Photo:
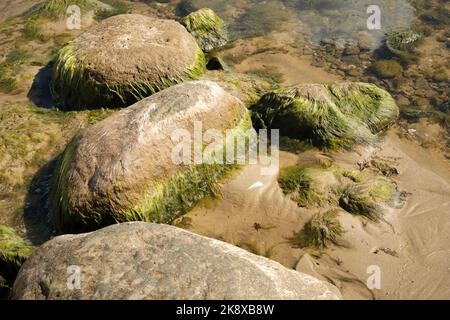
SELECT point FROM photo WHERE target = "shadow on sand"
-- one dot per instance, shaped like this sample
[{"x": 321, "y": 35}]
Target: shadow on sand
[
  {"x": 39, "y": 93},
  {"x": 39, "y": 224}
]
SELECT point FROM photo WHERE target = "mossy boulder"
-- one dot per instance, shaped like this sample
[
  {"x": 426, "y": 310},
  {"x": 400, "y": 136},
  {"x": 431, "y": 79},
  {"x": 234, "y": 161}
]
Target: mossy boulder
[
  {"x": 13, "y": 252},
  {"x": 121, "y": 169},
  {"x": 403, "y": 42},
  {"x": 208, "y": 28},
  {"x": 122, "y": 60},
  {"x": 327, "y": 116},
  {"x": 387, "y": 69}
]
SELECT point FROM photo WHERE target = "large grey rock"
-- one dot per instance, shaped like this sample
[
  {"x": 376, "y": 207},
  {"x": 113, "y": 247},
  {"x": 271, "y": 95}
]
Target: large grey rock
[
  {"x": 121, "y": 169},
  {"x": 149, "y": 261}
]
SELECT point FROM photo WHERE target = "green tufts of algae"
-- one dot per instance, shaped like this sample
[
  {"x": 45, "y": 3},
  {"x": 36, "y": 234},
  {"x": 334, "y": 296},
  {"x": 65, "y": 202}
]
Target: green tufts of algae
[
  {"x": 323, "y": 230},
  {"x": 361, "y": 193},
  {"x": 57, "y": 8},
  {"x": 208, "y": 28},
  {"x": 13, "y": 252},
  {"x": 164, "y": 202},
  {"x": 74, "y": 87},
  {"x": 330, "y": 116}
]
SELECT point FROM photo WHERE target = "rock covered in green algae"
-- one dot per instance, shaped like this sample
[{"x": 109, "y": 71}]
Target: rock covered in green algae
[
  {"x": 121, "y": 169},
  {"x": 124, "y": 59},
  {"x": 387, "y": 69},
  {"x": 208, "y": 28},
  {"x": 402, "y": 43},
  {"x": 143, "y": 261},
  {"x": 13, "y": 252},
  {"x": 328, "y": 116}
]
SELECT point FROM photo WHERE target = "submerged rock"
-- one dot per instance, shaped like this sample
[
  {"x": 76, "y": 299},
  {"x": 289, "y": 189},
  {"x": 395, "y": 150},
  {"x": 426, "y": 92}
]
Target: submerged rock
[
  {"x": 148, "y": 261},
  {"x": 121, "y": 169},
  {"x": 403, "y": 42},
  {"x": 387, "y": 69},
  {"x": 124, "y": 59},
  {"x": 328, "y": 116},
  {"x": 13, "y": 252},
  {"x": 208, "y": 28}
]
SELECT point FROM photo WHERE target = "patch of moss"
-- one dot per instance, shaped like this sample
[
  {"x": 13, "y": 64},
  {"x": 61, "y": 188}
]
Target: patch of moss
[
  {"x": 13, "y": 252},
  {"x": 327, "y": 116},
  {"x": 32, "y": 31},
  {"x": 271, "y": 75},
  {"x": 74, "y": 87},
  {"x": 116, "y": 7},
  {"x": 30, "y": 137},
  {"x": 208, "y": 28},
  {"x": 297, "y": 181},
  {"x": 363, "y": 193},
  {"x": 323, "y": 230},
  {"x": 11, "y": 67},
  {"x": 54, "y": 9},
  {"x": 355, "y": 200},
  {"x": 387, "y": 69},
  {"x": 402, "y": 43}
]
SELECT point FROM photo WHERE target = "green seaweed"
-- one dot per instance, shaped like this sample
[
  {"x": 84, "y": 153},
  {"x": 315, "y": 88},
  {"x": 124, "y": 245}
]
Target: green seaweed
[
  {"x": 298, "y": 182},
  {"x": 387, "y": 69},
  {"x": 402, "y": 43},
  {"x": 363, "y": 193},
  {"x": 208, "y": 28},
  {"x": 330, "y": 116},
  {"x": 355, "y": 200},
  {"x": 13, "y": 252},
  {"x": 74, "y": 88},
  {"x": 323, "y": 230},
  {"x": 54, "y": 9},
  {"x": 116, "y": 8}
]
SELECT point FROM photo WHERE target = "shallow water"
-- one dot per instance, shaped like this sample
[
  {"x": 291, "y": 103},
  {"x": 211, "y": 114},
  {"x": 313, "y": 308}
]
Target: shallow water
[{"x": 318, "y": 20}]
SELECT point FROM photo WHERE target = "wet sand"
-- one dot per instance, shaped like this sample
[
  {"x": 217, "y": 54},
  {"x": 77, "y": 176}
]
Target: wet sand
[{"x": 411, "y": 247}]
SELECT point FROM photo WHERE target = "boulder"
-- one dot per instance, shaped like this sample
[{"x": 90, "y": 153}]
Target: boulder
[
  {"x": 122, "y": 60},
  {"x": 387, "y": 69},
  {"x": 121, "y": 169},
  {"x": 208, "y": 28},
  {"x": 327, "y": 116},
  {"x": 143, "y": 261}
]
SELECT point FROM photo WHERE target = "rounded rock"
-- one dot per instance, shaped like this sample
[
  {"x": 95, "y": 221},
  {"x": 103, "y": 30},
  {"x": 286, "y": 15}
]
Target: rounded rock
[
  {"x": 143, "y": 261},
  {"x": 122, "y": 168},
  {"x": 122, "y": 60}
]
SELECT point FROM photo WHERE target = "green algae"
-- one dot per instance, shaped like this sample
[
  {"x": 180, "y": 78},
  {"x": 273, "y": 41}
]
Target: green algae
[
  {"x": 208, "y": 28},
  {"x": 323, "y": 230},
  {"x": 13, "y": 252},
  {"x": 74, "y": 87},
  {"x": 331, "y": 116}
]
